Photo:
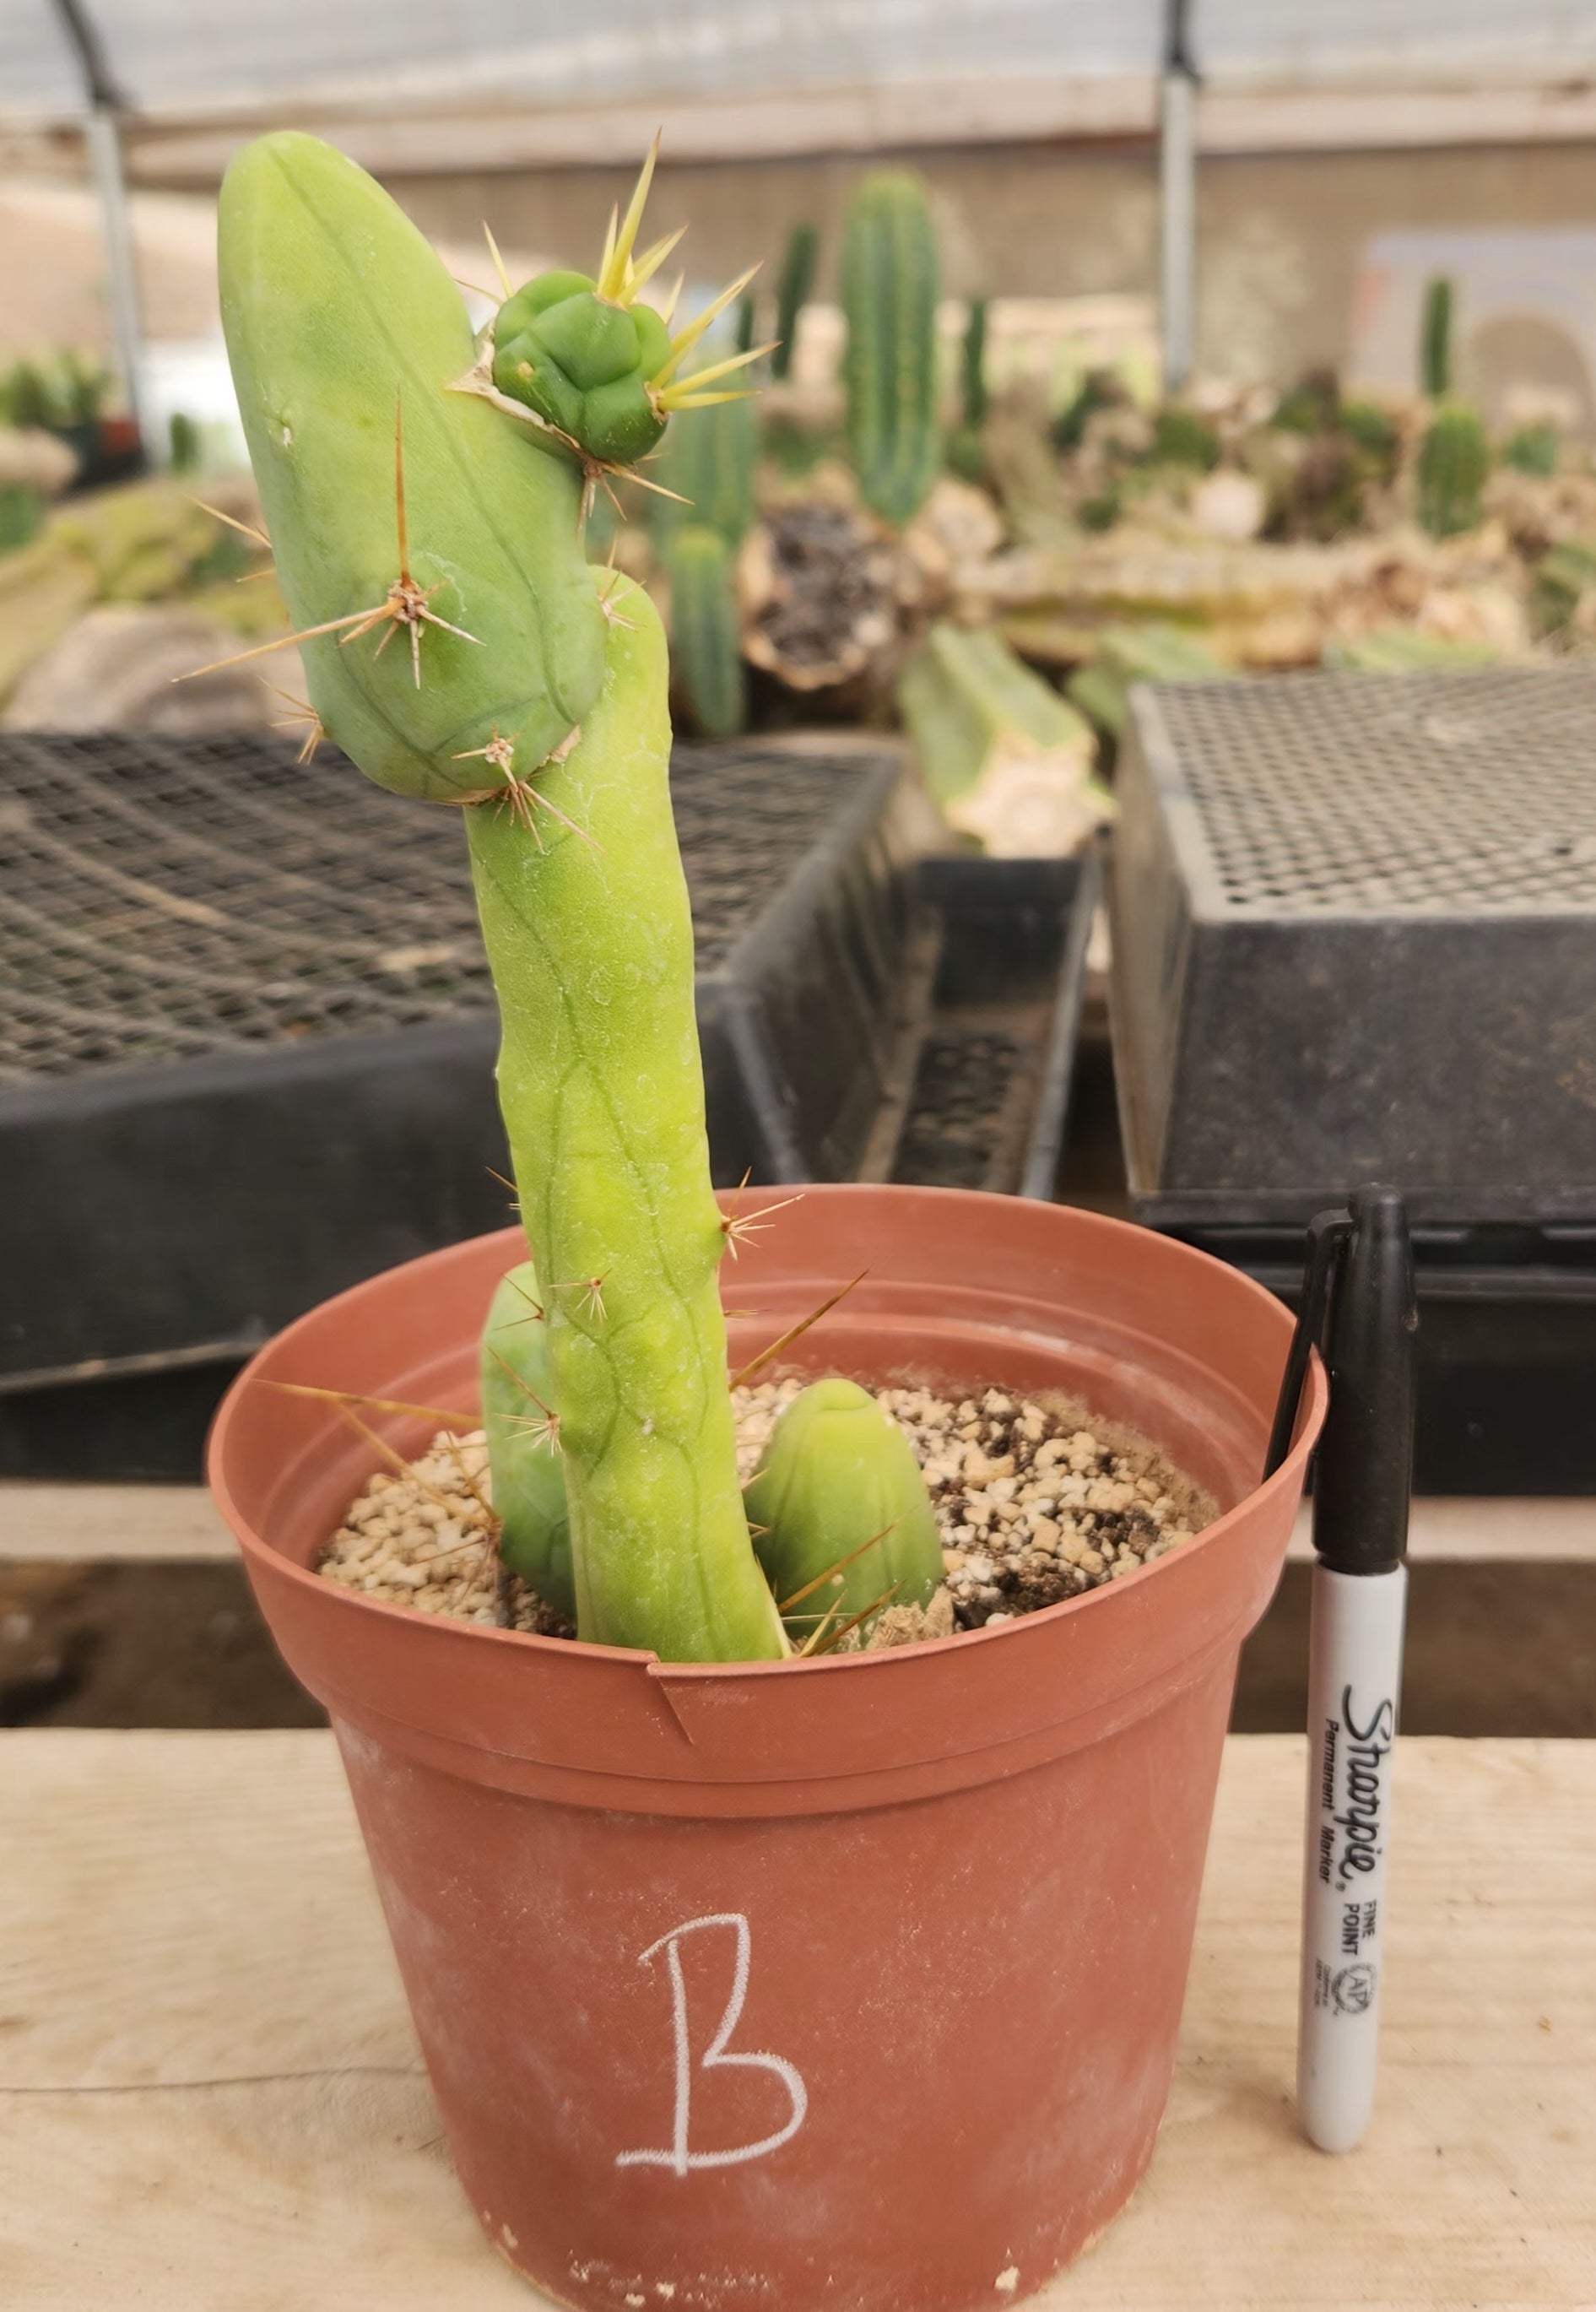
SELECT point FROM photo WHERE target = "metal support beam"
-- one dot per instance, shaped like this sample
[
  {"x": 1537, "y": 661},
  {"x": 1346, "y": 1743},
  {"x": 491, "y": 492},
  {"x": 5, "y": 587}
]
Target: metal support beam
[
  {"x": 102, "y": 140},
  {"x": 1177, "y": 210}
]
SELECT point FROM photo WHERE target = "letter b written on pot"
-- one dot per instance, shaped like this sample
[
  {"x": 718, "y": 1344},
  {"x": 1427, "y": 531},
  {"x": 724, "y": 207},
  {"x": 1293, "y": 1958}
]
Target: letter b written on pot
[{"x": 694, "y": 2070}]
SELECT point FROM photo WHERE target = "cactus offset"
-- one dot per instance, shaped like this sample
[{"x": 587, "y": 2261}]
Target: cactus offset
[
  {"x": 889, "y": 287},
  {"x": 705, "y": 642},
  {"x": 1434, "y": 342},
  {"x": 528, "y": 1478},
  {"x": 531, "y": 689},
  {"x": 1454, "y": 459},
  {"x": 847, "y": 1525},
  {"x": 792, "y": 294}
]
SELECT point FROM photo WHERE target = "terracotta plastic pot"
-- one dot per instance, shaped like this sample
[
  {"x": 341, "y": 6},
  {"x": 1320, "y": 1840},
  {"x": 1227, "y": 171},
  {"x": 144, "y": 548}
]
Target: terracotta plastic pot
[{"x": 849, "y": 1986}]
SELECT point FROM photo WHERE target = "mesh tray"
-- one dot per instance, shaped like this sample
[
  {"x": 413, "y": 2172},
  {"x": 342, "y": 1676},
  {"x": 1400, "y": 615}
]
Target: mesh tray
[
  {"x": 247, "y": 1031},
  {"x": 1354, "y": 938}
]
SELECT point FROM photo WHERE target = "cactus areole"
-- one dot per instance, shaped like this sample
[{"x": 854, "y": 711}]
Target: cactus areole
[{"x": 425, "y": 499}]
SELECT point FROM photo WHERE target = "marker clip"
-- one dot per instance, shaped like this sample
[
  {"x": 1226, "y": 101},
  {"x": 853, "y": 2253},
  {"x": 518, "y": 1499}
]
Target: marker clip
[{"x": 1329, "y": 1234}]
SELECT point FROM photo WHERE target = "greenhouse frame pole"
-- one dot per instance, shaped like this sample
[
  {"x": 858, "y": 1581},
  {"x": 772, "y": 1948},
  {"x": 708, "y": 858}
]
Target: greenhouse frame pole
[
  {"x": 1177, "y": 204},
  {"x": 103, "y": 137}
]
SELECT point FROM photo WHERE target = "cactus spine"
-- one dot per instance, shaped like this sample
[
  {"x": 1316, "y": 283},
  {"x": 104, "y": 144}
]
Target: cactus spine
[
  {"x": 793, "y": 293},
  {"x": 532, "y": 690},
  {"x": 890, "y": 288},
  {"x": 705, "y": 642},
  {"x": 1454, "y": 460},
  {"x": 1434, "y": 344}
]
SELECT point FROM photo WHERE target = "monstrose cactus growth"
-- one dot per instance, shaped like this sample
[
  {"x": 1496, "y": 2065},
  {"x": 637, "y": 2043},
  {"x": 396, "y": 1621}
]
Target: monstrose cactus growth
[{"x": 424, "y": 498}]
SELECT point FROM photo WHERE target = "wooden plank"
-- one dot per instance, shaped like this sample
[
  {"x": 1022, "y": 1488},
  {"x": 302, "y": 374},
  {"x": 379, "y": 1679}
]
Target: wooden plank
[
  {"x": 82, "y": 1523},
  {"x": 209, "y": 2092}
]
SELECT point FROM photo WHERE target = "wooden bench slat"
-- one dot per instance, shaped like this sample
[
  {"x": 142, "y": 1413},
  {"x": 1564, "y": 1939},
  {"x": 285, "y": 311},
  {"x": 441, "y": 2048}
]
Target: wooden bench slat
[{"x": 210, "y": 2093}]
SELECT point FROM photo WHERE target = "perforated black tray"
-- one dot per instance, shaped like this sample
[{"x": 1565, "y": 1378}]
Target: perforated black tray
[{"x": 247, "y": 1031}]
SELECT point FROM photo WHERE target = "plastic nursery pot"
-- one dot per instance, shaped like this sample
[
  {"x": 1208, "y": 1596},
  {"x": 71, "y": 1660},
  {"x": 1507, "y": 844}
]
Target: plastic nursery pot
[{"x": 846, "y": 1985}]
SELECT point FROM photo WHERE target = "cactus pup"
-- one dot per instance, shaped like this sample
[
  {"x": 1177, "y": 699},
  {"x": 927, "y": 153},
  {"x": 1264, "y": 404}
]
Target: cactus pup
[
  {"x": 424, "y": 495},
  {"x": 844, "y": 1524}
]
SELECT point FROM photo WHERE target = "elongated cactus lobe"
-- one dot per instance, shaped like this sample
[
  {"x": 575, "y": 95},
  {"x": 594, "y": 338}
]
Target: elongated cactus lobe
[
  {"x": 706, "y": 641},
  {"x": 342, "y": 325},
  {"x": 527, "y": 1468},
  {"x": 336, "y": 311},
  {"x": 890, "y": 288},
  {"x": 847, "y": 1521},
  {"x": 601, "y": 1081}
]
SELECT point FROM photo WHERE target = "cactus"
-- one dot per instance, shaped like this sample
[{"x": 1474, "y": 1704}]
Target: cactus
[
  {"x": 1181, "y": 438},
  {"x": 405, "y": 488},
  {"x": 1434, "y": 340},
  {"x": 847, "y": 1525},
  {"x": 1533, "y": 450},
  {"x": 529, "y": 1482},
  {"x": 705, "y": 642},
  {"x": 890, "y": 297},
  {"x": 183, "y": 442},
  {"x": 792, "y": 294},
  {"x": 966, "y": 454},
  {"x": 1453, "y": 461},
  {"x": 708, "y": 462}
]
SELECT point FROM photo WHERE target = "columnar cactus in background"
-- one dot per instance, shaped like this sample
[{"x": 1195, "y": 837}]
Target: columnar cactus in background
[
  {"x": 792, "y": 294},
  {"x": 889, "y": 290},
  {"x": 1454, "y": 460},
  {"x": 706, "y": 634},
  {"x": 424, "y": 497},
  {"x": 1435, "y": 341}
]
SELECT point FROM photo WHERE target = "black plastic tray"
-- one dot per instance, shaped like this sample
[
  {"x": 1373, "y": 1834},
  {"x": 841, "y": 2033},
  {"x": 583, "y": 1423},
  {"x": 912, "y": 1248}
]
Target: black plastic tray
[
  {"x": 1506, "y": 1348},
  {"x": 247, "y": 1041}
]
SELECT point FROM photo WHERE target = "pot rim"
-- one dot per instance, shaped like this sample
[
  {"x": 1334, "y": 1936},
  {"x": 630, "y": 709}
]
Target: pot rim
[{"x": 255, "y": 1547}]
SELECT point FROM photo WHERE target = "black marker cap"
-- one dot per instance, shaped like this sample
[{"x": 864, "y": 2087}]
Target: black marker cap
[{"x": 1364, "y": 1471}]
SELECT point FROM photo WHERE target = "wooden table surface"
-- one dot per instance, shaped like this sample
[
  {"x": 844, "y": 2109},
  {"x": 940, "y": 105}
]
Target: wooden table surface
[{"x": 210, "y": 2099}]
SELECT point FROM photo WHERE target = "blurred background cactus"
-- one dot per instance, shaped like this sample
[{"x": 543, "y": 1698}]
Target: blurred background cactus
[
  {"x": 890, "y": 284},
  {"x": 708, "y": 685},
  {"x": 795, "y": 285},
  {"x": 1453, "y": 461},
  {"x": 1434, "y": 358}
]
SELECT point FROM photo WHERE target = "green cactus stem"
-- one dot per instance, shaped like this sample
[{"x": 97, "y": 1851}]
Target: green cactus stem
[
  {"x": 848, "y": 1525},
  {"x": 793, "y": 293},
  {"x": 708, "y": 463},
  {"x": 889, "y": 287},
  {"x": 531, "y": 688},
  {"x": 706, "y": 668},
  {"x": 1454, "y": 460},
  {"x": 1435, "y": 341},
  {"x": 528, "y": 1478},
  {"x": 1533, "y": 450}
]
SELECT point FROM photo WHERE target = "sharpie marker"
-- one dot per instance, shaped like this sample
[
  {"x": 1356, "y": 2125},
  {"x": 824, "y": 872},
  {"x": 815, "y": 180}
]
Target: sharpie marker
[{"x": 1362, "y": 1486}]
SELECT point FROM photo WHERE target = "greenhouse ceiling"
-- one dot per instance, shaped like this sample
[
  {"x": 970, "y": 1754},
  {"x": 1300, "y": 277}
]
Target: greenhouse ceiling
[{"x": 494, "y": 84}]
